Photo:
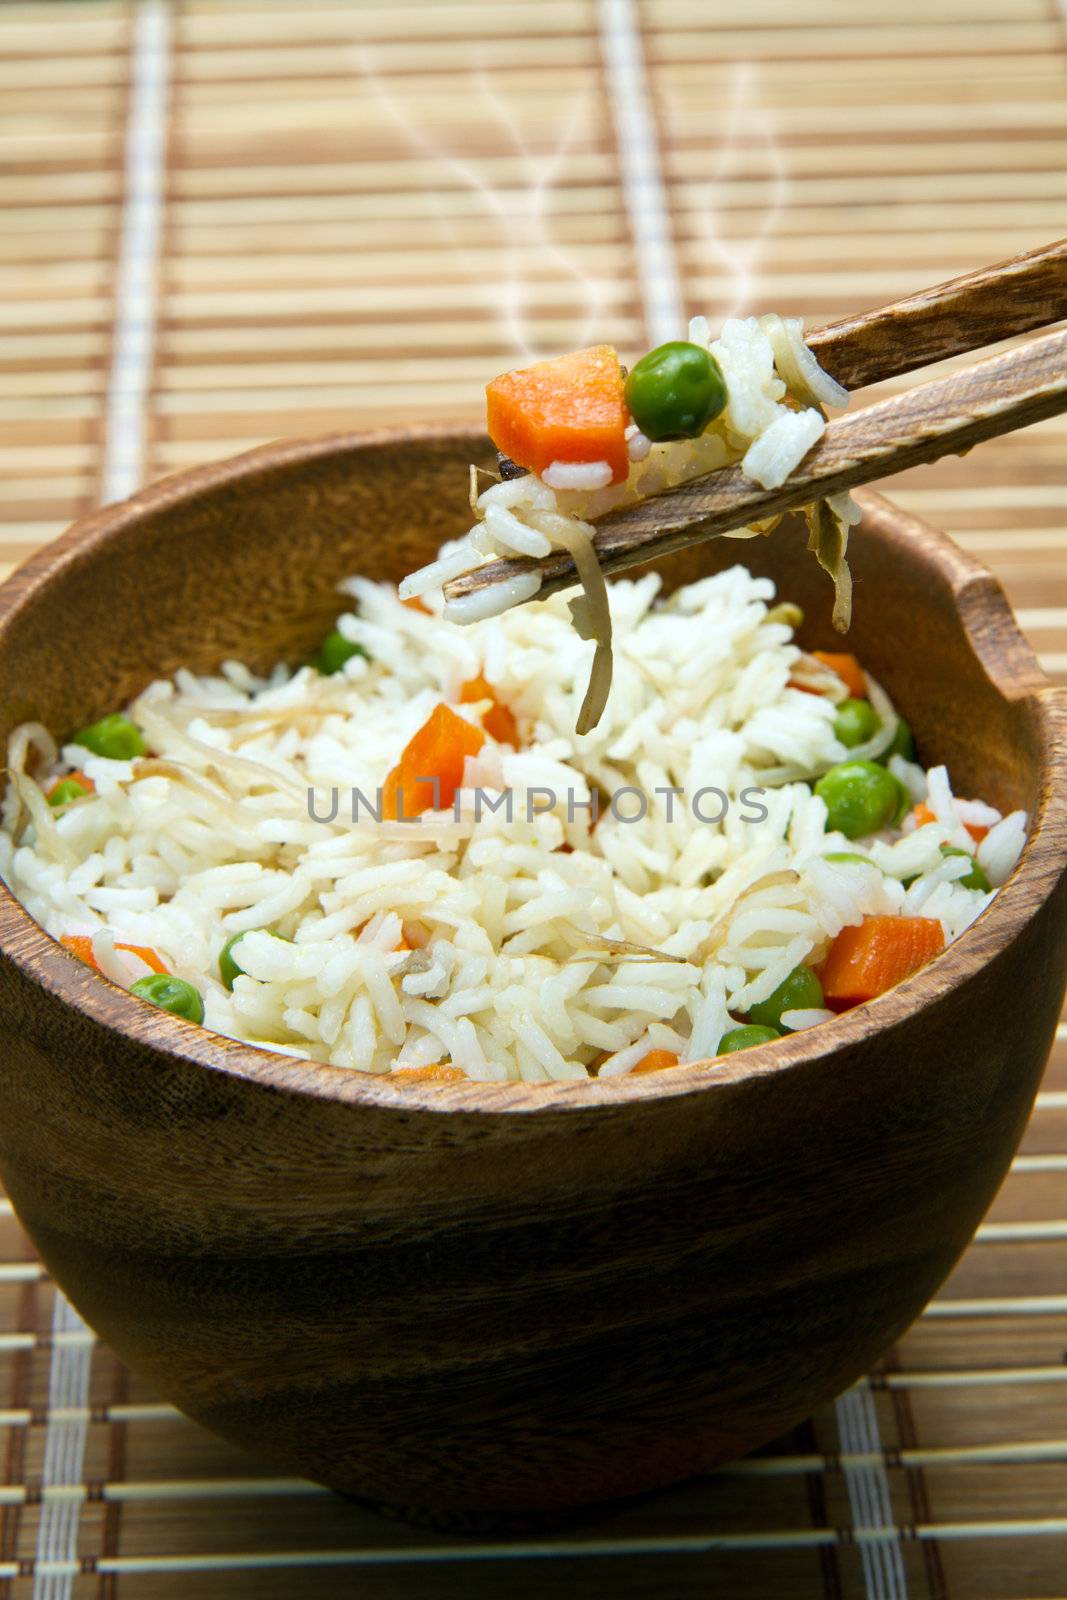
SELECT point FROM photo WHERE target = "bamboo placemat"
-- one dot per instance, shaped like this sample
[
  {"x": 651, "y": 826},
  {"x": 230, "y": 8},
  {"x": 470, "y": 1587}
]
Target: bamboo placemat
[{"x": 224, "y": 222}]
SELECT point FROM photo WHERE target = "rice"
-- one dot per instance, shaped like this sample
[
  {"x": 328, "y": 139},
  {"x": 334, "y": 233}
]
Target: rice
[
  {"x": 583, "y": 475},
  {"x": 508, "y": 935},
  {"x": 492, "y": 600},
  {"x": 781, "y": 446}
]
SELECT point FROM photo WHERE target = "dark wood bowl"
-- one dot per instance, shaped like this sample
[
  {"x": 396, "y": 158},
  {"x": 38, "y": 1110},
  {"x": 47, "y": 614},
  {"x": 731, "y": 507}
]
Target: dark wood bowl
[{"x": 500, "y": 1299}]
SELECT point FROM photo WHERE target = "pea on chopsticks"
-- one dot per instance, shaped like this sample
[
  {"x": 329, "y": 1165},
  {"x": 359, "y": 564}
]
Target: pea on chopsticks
[{"x": 675, "y": 391}]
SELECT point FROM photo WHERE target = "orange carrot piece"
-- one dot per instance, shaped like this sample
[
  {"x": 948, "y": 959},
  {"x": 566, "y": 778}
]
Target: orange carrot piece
[
  {"x": 438, "y": 752},
  {"x": 499, "y": 724},
  {"x": 437, "y": 1072},
  {"x": 80, "y": 945},
  {"x": 655, "y": 1061},
  {"x": 498, "y": 721},
  {"x": 848, "y": 670},
  {"x": 79, "y": 777},
  {"x": 148, "y": 956},
  {"x": 922, "y": 814},
  {"x": 415, "y": 604},
  {"x": 867, "y": 960},
  {"x": 569, "y": 409}
]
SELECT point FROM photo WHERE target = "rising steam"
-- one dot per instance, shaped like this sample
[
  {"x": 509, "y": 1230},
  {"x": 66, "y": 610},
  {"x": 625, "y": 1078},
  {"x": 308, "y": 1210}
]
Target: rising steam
[
  {"x": 519, "y": 216},
  {"x": 748, "y": 126}
]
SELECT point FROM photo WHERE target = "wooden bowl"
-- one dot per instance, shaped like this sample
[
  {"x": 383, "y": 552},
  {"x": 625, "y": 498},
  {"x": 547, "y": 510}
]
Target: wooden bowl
[{"x": 499, "y": 1299}]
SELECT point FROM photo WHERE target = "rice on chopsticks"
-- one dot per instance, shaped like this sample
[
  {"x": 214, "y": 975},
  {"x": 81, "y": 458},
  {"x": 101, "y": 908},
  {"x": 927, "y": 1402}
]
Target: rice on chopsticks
[{"x": 591, "y": 439}]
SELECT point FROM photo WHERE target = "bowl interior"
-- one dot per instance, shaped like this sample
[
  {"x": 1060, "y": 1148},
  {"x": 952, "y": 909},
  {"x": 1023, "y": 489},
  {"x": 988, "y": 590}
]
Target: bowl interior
[{"x": 242, "y": 559}]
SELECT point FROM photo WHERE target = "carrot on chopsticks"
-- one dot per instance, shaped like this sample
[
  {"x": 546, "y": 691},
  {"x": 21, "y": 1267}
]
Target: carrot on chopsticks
[
  {"x": 430, "y": 769},
  {"x": 881, "y": 952},
  {"x": 571, "y": 408}
]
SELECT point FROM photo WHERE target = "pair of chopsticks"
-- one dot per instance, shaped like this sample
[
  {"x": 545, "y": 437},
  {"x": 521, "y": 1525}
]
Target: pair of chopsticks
[{"x": 944, "y": 417}]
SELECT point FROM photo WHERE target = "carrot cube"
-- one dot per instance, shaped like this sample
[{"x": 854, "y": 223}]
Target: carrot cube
[
  {"x": 848, "y": 670},
  {"x": 430, "y": 769},
  {"x": 498, "y": 721},
  {"x": 881, "y": 952},
  {"x": 655, "y": 1061},
  {"x": 569, "y": 409}
]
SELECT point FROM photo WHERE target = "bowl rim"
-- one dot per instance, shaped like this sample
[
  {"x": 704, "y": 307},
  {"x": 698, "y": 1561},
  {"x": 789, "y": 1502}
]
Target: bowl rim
[{"x": 49, "y": 966}]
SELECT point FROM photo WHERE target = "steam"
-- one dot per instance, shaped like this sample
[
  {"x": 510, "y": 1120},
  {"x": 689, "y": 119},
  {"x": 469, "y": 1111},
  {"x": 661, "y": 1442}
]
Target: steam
[
  {"x": 748, "y": 126},
  {"x": 520, "y": 216}
]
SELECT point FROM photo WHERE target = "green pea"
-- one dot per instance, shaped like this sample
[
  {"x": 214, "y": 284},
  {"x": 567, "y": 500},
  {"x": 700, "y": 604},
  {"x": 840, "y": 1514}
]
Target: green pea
[
  {"x": 744, "y": 1038},
  {"x": 229, "y": 967},
  {"x": 855, "y": 722},
  {"x": 860, "y": 797},
  {"x": 801, "y": 991},
  {"x": 976, "y": 878},
  {"x": 115, "y": 737},
  {"x": 170, "y": 994},
  {"x": 333, "y": 652},
  {"x": 65, "y": 791},
  {"x": 903, "y": 743},
  {"x": 675, "y": 391},
  {"x": 848, "y": 858}
]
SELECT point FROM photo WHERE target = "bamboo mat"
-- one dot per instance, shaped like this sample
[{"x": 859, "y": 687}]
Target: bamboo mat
[{"x": 225, "y": 222}]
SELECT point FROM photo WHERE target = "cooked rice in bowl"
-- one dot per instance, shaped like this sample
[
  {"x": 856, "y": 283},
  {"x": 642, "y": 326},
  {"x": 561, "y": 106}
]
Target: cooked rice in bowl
[{"x": 538, "y": 947}]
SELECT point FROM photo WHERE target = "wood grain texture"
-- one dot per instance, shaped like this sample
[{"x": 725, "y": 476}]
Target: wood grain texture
[
  {"x": 976, "y": 309},
  {"x": 500, "y": 1300},
  {"x": 947, "y": 416}
]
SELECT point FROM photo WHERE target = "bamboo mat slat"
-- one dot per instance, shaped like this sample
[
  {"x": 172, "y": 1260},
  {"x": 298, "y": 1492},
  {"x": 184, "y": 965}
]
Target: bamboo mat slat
[{"x": 224, "y": 220}]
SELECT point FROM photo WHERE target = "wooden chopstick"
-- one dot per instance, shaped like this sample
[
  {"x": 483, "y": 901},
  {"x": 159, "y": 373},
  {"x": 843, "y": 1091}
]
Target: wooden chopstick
[
  {"x": 950, "y": 319},
  {"x": 943, "y": 417}
]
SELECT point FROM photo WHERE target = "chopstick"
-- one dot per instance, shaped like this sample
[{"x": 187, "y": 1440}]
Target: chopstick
[
  {"x": 979, "y": 308},
  {"x": 943, "y": 417}
]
